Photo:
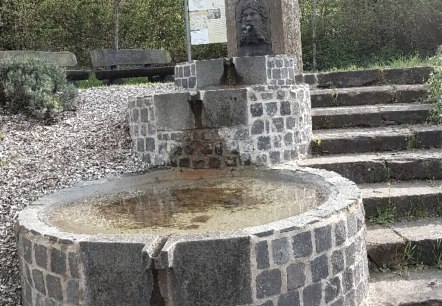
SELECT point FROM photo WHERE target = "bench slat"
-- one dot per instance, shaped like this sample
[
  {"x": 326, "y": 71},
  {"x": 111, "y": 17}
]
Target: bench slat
[
  {"x": 133, "y": 73},
  {"x": 113, "y": 57},
  {"x": 62, "y": 59}
]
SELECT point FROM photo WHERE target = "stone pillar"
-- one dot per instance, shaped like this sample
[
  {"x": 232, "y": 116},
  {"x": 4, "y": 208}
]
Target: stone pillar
[{"x": 264, "y": 27}]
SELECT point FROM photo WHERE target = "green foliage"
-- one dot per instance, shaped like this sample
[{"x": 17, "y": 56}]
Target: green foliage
[
  {"x": 384, "y": 216},
  {"x": 435, "y": 92},
  {"x": 35, "y": 87}
]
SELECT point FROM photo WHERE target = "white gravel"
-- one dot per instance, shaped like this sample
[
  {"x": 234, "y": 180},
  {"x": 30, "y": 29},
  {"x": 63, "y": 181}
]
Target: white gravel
[{"x": 38, "y": 159}]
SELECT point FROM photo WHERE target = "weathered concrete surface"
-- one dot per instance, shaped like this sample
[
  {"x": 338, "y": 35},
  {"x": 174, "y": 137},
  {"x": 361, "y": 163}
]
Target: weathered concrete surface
[
  {"x": 415, "y": 198},
  {"x": 390, "y": 138},
  {"x": 173, "y": 111},
  {"x": 415, "y": 288},
  {"x": 383, "y": 166},
  {"x": 426, "y": 236},
  {"x": 368, "y": 95},
  {"x": 399, "y": 76},
  {"x": 387, "y": 246},
  {"x": 368, "y": 115}
]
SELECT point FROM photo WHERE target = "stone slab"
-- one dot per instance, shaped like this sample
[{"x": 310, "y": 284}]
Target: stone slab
[
  {"x": 113, "y": 57},
  {"x": 368, "y": 95},
  {"x": 251, "y": 70},
  {"x": 63, "y": 59},
  {"x": 227, "y": 108},
  {"x": 209, "y": 73},
  {"x": 385, "y": 248},
  {"x": 369, "y": 116},
  {"x": 372, "y": 77},
  {"x": 112, "y": 268},
  {"x": 173, "y": 112},
  {"x": 221, "y": 260},
  {"x": 417, "y": 288},
  {"x": 416, "y": 198},
  {"x": 390, "y": 138},
  {"x": 426, "y": 236},
  {"x": 381, "y": 167}
]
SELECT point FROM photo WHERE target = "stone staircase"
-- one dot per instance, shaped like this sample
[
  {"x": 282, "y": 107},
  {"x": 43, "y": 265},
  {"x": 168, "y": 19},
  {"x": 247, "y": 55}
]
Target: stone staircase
[{"x": 371, "y": 127}]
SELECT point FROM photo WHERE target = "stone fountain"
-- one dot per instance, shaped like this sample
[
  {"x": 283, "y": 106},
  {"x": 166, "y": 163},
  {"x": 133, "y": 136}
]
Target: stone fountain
[{"x": 225, "y": 217}]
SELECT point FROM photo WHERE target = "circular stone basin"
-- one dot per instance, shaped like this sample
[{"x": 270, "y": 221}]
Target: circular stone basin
[
  {"x": 201, "y": 205},
  {"x": 247, "y": 236}
]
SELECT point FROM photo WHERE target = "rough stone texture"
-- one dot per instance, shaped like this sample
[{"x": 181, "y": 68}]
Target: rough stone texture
[
  {"x": 417, "y": 75},
  {"x": 385, "y": 247},
  {"x": 268, "y": 283},
  {"x": 112, "y": 268},
  {"x": 373, "y": 168},
  {"x": 238, "y": 126},
  {"x": 418, "y": 288},
  {"x": 390, "y": 138},
  {"x": 221, "y": 260}
]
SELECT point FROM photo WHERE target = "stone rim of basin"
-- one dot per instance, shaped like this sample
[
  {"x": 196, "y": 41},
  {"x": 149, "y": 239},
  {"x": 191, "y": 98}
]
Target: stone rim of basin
[{"x": 338, "y": 194}]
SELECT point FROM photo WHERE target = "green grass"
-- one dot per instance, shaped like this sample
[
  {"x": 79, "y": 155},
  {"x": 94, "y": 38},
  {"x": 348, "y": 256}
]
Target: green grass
[
  {"x": 94, "y": 82},
  {"x": 399, "y": 62},
  {"x": 384, "y": 216}
]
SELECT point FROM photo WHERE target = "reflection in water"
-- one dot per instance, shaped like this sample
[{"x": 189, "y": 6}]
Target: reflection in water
[{"x": 209, "y": 205}]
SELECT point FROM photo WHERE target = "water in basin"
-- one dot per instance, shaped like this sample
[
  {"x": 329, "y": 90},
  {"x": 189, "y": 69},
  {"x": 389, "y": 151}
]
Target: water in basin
[{"x": 195, "y": 206}]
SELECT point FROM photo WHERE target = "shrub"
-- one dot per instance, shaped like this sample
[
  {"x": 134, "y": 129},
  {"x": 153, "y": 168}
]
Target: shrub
[{"x": 35, "y": 87}]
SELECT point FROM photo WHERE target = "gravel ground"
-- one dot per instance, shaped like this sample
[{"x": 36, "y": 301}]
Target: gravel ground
[{"x": 38, "y": 159}]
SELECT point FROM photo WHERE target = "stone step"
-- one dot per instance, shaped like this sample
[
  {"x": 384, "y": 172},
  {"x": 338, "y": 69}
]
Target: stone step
[
  {"x": 370, "y": 77},
  {"x": 390, "y": 138},
  {"x": 382, "y": 166},
  {"x": 418, "y": 199},
  {"x": 370, "y": 116},
  {"x": 405, "y": 243},
  {"x": 368, "y": 95},
  {"x": 412, "y": 288}
]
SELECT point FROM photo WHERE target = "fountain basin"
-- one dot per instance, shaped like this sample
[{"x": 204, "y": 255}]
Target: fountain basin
[{"x": 314, "y": 253}]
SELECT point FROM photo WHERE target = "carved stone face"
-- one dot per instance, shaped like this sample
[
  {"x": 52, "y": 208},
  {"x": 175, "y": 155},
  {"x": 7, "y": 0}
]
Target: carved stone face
[{"x": 253, "y": 28}]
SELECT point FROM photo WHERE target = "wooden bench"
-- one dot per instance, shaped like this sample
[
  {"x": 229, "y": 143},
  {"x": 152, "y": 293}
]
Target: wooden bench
[
  {"x": 131, "y": 63},
  {"x": 63, "y": 59}
]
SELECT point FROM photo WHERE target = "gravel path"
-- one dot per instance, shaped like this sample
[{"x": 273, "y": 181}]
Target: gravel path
[{"x": 36, "y": 159}]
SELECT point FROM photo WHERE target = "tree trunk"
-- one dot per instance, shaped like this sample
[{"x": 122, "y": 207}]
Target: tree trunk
[{"x": 314, "y": 21}]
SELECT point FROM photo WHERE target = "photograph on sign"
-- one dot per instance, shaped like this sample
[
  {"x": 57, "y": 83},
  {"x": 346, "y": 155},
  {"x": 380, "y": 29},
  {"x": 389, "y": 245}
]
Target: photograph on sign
[{"x": 207, "y": 22}]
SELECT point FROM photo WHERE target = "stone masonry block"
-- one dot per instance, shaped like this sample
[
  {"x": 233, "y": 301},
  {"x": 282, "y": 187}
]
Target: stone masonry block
[
  {"x": 289, "y": 299},
  {"x": 319, "y": 268},
  {"x": 312, "y": 295},
  {"x": 73, "y": 265},
  {"x": 332, "y": 289},
  {"x": 256, "y": 110},
  {"x": 302, "y": 245},
  {"x": 199, "y": 269},
  {"x": 295, "y": 276},
  {"x": 337, "y": 261},
  {"x": 27, "y": 249},
  {"x": 280, "y": 250},
  {"x": 251, "y": 70},
  {"x": 268, "y": 283},
  {"x": 58, "y": 261},
  {"x": 41, "y": 255},
  {"x": 114, "y": 274},
  {"x": 262, "y": 255},
  {"x": 72, "y": 292},
  {"x": 340, "y": 233},
  {"x": 209, "y": 73},
  {"x": 224, "y": 108},
  {"x": 323, "y": 239},
  {"x": 55, "y": 290},
  {"x": 39, "y": 282},
  {"x": 173, "y": 111}
]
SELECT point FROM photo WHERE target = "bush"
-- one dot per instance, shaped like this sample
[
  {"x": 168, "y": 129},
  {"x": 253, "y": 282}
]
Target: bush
[{"x": 35, "y": 87}]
